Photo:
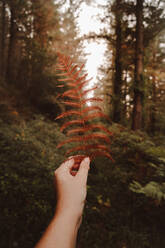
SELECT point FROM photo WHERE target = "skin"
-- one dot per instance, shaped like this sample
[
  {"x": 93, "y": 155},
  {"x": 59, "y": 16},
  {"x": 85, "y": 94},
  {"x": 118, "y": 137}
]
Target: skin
[{"x": 71, "y": 193}]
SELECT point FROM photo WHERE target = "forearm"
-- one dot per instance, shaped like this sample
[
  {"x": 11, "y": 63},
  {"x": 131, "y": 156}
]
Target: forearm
[
  {"x": 71, "y": 192},
  {"x": 61, "y": 232}
]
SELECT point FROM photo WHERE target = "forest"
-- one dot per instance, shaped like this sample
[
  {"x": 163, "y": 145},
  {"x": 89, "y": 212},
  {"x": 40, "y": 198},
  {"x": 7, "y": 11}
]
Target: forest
[{"x": 125, "y": 205}]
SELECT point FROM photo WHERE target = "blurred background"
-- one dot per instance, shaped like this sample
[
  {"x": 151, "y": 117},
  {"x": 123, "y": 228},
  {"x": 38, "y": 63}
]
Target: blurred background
[{"x": 122, "y": 44}]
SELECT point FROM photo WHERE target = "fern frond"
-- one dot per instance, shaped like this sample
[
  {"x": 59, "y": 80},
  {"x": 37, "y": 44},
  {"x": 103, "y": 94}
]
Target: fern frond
[
  {"x": 81, "y": 85},
  {"x": 73, "y": 69},
  {"x": 92, "y": 99},
  {"x": 69, "y": 92},
  {"x": 90, "y": 108},
  {"x": 76, "y": 130},
  {"x": 79, "y": 71},
  {"x": 85, "y": 138},
  {"x": 100, "y": 127},
  {"x": 95, "y": 115},
  {"x": 71, "y": 123},
  {"x": 90, "y": 139},
  {"x": 69, "y": 113},
  {"x": 72, "y": 104},
  {"x": 85, "y": 92},
  {"x": 60, "y": 86},
  {"x": 64, "y": 79}
]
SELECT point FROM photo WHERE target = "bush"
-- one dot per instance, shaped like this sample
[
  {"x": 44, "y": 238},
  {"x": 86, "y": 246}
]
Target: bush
[
  {"x": 28, "y": 159},
  {"x": 114, "y": 215}
]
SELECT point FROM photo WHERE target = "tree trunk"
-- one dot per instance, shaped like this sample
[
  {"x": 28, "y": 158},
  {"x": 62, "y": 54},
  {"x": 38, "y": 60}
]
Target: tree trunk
[
  {"x": 125, "y": 113},
  {"x": 2, "y": 60},
  {"x": 117, "y": 104},
  {"x": 153, "y": 108},
  {"x": 138, "y": 80},
  {"x": 152, "y": 124},
  {"x": 10, "y": 70}
]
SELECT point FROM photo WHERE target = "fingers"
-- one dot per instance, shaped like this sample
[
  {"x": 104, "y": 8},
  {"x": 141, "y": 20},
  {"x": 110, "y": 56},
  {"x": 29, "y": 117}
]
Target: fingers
[
  {"x": 82, "y": 173},
  {"x": 67, "y": 165},
  {"x": 76, "y": 165}
]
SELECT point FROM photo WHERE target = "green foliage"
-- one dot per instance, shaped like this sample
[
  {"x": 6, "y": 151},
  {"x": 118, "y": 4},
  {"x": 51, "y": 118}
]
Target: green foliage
[
  {"x": 28, "y": 158},
  {"x": 115, "y": 216},
  {"x": 152, "y": 189},
  {"x": 40, "y": 88}
]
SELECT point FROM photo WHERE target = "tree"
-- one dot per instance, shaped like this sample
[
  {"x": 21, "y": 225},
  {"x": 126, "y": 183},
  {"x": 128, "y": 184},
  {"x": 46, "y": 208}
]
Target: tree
[
  {"x": 113, "y": 34},
  {"x": 148, "y": 27},
  {"x": 3, "y": 30},
  {"x": 129, "y": 30},
  {"x": 156, "y": 92},
  {"x": 117, "y": 104},
  {"x": 139, "y": 79},
  {"x": 11, "y": 70}
]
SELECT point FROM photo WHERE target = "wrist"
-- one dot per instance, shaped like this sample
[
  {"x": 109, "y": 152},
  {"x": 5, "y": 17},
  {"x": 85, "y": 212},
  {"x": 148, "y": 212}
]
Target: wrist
[
  {"x": 70, "y": 209},
  {"x": 70, "y": 215}
]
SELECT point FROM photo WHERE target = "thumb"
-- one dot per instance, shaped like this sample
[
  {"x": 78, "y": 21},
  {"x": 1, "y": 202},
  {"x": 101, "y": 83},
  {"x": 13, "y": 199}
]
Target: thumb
[
  {"x": 82, "y": 173},
  {"x": 67, "y": 165}
]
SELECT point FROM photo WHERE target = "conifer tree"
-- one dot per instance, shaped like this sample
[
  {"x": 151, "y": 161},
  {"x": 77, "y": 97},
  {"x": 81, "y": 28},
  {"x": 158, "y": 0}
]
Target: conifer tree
[{"x": 139, "y": 78}]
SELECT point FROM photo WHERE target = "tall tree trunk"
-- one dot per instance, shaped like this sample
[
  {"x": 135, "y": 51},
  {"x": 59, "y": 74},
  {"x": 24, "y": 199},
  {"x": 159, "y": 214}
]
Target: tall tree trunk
[
  {"x": 117, "y": 104},
  {"x": 138, "y": 80},
  {"x": 152, "y": 124},
  {"x": 126, "y": 92},
  {"x": 2, "y": 65},
  {"x": 153, "y": 108},
  {"x": 10, "y": 70}
]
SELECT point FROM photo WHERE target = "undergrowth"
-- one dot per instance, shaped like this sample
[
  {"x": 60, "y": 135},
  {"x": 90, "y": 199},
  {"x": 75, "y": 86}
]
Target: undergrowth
[{"x": 29, "y": 156}]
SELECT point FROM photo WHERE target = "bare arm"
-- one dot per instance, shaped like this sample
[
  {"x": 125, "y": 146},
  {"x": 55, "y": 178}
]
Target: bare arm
[{"x": 71, "y": 191}]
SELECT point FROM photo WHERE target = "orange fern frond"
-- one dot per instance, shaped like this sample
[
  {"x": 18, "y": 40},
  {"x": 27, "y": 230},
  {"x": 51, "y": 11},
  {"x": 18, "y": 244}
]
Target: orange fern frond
[
  {"x": 85, "y": 138},
  {"x": 74, "y": 97},
  {"x": 100, "y": 127},
  {"x": 81, "y": 85},
  {"x": 95, "y": 115},
  {"x": 85, "y": 92},
  {"x": 60, "y": 86},
  {"x": 72, "y": 104},
  {"x": 90, "y": 108},
  {"x": 92, "y": 99},
  {"x": 71, "y": 123},
  {"x": 88, "y": 138},
  {"x": 68, "y": 92},
  {"x": 69, "y": 113},
  {"x": 76, "y": 130}
]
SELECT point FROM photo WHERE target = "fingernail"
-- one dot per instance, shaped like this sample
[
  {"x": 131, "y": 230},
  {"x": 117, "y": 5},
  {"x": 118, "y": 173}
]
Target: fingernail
[
  {"x": 71, "y": 161},
  {"x": 87, "y": 161}
]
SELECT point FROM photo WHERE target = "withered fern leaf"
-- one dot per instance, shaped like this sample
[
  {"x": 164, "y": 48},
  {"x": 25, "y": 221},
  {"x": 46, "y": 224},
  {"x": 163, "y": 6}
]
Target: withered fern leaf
[{"x": 89, "y": 139}]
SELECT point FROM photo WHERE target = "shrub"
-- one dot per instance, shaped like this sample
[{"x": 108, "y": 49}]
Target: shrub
[{"x": 28, "y": 159}]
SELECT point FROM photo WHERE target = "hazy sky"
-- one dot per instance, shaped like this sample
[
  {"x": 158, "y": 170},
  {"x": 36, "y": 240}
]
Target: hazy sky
[{"x": 88, "y": 22}]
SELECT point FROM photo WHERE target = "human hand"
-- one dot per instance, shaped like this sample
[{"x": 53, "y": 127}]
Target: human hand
[
  {"x": 70, "y": 179},
  {"x": 71, "y": 186}
]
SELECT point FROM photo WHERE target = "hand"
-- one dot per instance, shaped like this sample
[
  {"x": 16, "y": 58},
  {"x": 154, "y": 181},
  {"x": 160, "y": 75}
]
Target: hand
[
  {"x": 71, "y": 186},
  {"x": 70, "y": 179}
]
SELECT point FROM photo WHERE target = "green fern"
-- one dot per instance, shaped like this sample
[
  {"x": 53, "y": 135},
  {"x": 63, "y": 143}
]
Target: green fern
[{"x": 152, "y": 189}]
